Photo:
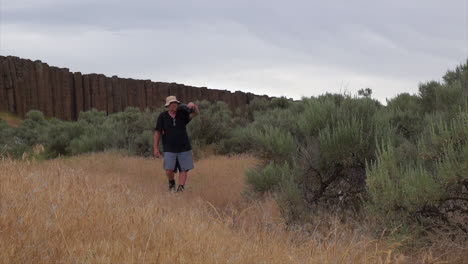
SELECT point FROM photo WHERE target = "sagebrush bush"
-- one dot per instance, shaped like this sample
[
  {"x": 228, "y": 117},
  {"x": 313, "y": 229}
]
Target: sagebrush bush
[
  {"x": 406, "y": 115},
  {"x": 446, "y": 97},
  {"x": 280, "y": 179},
  {"x": 213, "y": 126},
  {"x": 238, "y": 141},
  {"x": 335, "y": 136},
  {"x": 338, "y": 133},
  {"x": 272, "y": 134},
  {"x": 290, "y": 199},
  {"x": 273, "y": 143},
  {"x": 21, "y": 140},
  {"x": 269, "y": 177},
  {"x": 430, "y": 189},
  {"x": 59, "y": 135},
  {"x": 6, "y": 136},
  {"x": 132, "y": 130}
]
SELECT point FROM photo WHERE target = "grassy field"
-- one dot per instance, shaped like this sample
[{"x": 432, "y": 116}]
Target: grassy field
[{"x": 108, "y": 208}]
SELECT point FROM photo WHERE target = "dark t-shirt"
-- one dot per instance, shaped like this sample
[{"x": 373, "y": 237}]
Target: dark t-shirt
[{"x": 174, "y": 131}]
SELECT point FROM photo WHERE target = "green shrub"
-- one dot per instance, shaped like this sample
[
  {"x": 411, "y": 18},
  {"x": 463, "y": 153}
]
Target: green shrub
[
  {"x": 430, "y": 189},
  {"x": 6, "y": 136},
  {"x": 22, "y": 139},
  {"x": 131, "y": 130},
  {"x": 345, "y": 142},
  {"x": 93, "y": 117},
  {"x": 246, "y": 114},
  {"x": 273, "y": 143},
  {"x": 59, "y": 135},
  {"x": 339, "y": 134},
  {"x": 238, "y": 141},
  {"x": 280, "y": 179},
  {"x": 31, "y": 129},
  {"x": 446, "y": 97},
  {"x": 272, "y": 135},
  {"x": 91, "y": 139},
  {"x": 280, "y": 102},
  {"x": 406, "y": 115},
  {"x": 283, "y": 119},
  {"x": 268, "y": 178},
  {"x": 317, "y": 114},
  {"x": 143, "y": 145},
  {"x": 121, "y": 127},
  {"x": 213, "y": 125},
  {"x": 290, "y": 199},
  {"x": 256, "y": 105}
]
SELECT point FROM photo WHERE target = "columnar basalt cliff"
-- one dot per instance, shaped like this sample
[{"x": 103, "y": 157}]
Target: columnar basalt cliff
[{"x": 26, "y": 85}]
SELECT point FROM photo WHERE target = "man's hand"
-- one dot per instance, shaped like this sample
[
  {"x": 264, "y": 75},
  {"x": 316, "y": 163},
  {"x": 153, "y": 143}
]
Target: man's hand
[
  {"x": 156, "y": 153},
  {"x": 195, "y": 109},
  {"x": 156, "y": 144}
]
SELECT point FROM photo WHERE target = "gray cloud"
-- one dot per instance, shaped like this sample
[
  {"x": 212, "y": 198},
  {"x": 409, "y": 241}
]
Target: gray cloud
[{"x": 294, "y": 48}]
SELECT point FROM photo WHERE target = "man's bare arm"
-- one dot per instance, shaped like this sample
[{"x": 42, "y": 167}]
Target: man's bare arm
[
  {"x": 195, "y": 112},
  {"x": 156, "y": 143}
]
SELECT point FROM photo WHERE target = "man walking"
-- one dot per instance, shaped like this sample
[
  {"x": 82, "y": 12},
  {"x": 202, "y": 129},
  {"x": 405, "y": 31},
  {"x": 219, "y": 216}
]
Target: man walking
[{"x": 171, "y": 124}]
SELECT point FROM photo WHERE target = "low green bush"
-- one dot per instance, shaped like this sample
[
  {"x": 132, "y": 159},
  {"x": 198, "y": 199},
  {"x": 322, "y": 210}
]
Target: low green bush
[
  {"x": 213, "y": 125},
  {"x": 430, "y": 189},
  {"x": 268, "y": 178},
  {"x": 6, "y": 138}
]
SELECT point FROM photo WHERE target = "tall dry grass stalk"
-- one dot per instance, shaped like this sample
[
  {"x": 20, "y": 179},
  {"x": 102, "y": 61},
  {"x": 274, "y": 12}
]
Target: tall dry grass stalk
[{"x": 107, "y": 208}]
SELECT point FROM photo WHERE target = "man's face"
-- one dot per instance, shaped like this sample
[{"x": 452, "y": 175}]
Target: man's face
[{"x": 172, "y": 107}]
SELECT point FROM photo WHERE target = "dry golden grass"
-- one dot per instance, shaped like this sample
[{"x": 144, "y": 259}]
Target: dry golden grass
[{"x": 108, "y": 208}]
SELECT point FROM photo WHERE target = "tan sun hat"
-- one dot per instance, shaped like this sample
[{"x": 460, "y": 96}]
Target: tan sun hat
[{"x": 171, "y": 99}]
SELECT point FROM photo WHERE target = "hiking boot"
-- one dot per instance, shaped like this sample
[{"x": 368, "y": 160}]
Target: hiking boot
[
  {"x": 171, "y": 186},
  {"x": 172, "y": 189},
  {"x": 180, "y": 188}
]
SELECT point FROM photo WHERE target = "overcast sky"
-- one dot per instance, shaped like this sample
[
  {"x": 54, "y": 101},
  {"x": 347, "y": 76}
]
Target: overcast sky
[{"x": 280, "y": 48}]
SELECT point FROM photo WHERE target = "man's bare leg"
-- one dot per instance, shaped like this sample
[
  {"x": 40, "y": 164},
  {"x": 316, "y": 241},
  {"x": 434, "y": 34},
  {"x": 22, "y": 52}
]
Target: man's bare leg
[
  {"x": 170, "y": 174},
  {"x": 170, "y": 177},
  {"x": 183, "y": 177}
]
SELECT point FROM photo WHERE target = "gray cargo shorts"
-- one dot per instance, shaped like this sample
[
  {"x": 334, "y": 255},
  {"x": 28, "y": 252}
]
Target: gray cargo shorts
[{"x": 181, "y": 161}]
